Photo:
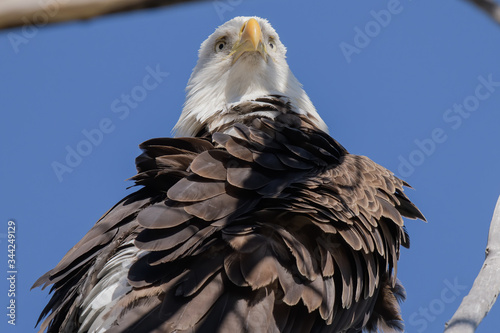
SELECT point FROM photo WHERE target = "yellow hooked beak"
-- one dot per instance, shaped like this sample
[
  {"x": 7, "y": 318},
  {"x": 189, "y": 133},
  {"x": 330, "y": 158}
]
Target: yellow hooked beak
[{"x": 250, "y": 41}]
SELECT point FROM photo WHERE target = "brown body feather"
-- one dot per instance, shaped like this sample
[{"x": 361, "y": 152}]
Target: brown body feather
[{"x": 263, "y": 226}]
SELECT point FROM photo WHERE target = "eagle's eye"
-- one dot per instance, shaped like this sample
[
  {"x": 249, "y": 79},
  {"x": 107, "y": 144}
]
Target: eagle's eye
[
  {"x": 272, "y": 43},
  {"x": 220, "y": 45}
]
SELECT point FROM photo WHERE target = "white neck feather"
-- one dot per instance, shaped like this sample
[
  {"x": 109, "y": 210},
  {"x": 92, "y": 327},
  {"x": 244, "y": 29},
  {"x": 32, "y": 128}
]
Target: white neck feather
[{"x": 210, "y": 95}]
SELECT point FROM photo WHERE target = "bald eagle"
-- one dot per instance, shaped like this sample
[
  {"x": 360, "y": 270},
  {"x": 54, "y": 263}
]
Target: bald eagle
[{"x": 253, "y": 219}]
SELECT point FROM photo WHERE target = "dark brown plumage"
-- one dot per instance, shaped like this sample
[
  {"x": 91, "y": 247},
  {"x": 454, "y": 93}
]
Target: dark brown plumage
[{"x": 272, "y": 228}]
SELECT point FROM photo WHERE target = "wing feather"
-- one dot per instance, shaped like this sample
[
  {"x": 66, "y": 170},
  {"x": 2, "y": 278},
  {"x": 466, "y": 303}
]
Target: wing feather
[{"x": 268, "y": 225}]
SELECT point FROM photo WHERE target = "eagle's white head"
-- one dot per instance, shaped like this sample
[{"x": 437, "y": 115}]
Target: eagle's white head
[{"x": 242, "y": 60}]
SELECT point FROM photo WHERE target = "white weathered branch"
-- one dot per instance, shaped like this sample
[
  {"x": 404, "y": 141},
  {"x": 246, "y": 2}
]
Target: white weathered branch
[
  {"x": 490, "y": 7},
  {"x": 483, "y": 294},
  {"x": 16, "y": 13}
]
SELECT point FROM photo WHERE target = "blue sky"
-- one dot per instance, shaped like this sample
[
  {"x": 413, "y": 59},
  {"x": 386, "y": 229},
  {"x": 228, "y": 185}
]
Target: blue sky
[{"x": 412, "y": 85}]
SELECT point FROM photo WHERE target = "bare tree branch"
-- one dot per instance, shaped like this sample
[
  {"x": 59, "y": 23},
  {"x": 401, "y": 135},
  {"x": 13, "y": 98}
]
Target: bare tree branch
[
  {"x": 16, "y": 13},
  {"x": 490, "y": 7},
  {"x": 483, "y": 294}
]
